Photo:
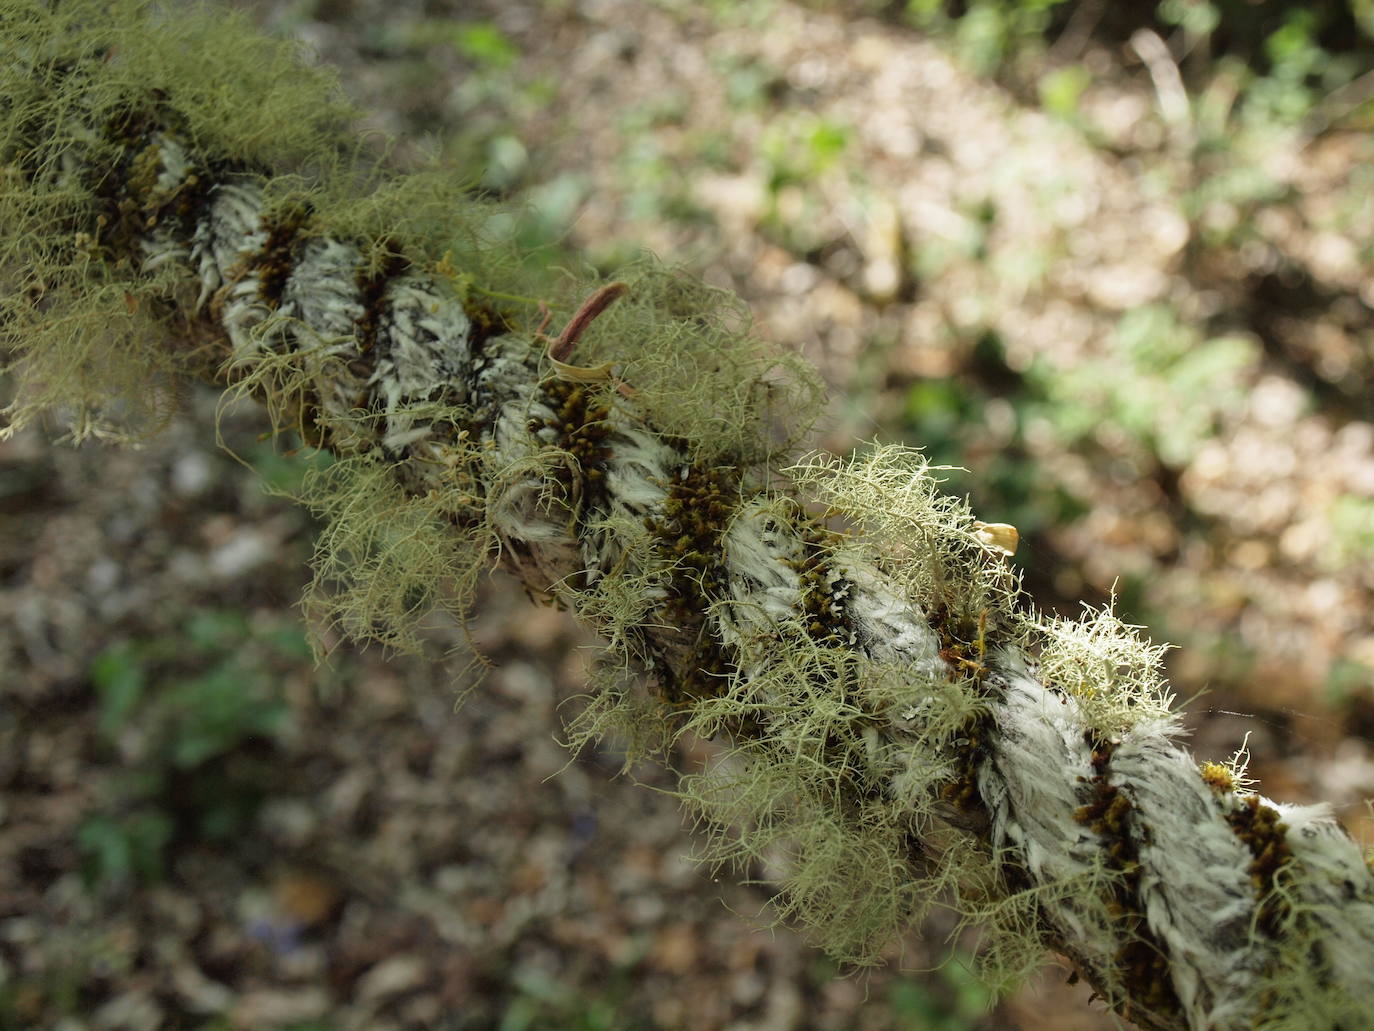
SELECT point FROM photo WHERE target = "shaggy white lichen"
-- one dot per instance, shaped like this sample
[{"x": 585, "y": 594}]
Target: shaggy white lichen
[{"x": 1115, "y": 675}]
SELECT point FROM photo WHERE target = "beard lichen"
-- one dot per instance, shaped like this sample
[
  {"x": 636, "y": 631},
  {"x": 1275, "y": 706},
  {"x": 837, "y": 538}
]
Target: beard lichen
[
  {"x": 79, "y": 319},
  {"x": 1113, "y": 673},
  {"x": 699, "y": 374},
  {"x": 805, "y": 787},
  {"x": 832, "y": 761},
  {"x": 386, "y": 558}
]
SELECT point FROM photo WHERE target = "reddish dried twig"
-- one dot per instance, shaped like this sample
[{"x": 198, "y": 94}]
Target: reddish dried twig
[{"x": 561, "y": 348}]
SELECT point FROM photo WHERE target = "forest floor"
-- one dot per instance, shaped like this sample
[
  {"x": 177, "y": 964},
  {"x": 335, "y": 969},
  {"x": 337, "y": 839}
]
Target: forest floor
[{"x": 1146, "y": 336}]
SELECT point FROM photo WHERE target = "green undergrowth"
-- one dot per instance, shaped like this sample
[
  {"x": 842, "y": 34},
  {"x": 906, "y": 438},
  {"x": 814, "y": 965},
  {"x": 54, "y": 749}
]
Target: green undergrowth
[{"x": 183, "y": 721}]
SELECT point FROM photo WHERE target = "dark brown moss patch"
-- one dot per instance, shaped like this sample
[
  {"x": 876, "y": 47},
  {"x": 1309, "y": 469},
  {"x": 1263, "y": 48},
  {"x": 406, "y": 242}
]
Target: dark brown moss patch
[
  {"x": 963, "y": 648},
  {"x": 372, "y": 284},
  {"x": 688, "y": 535},
  {"x": 1142, "y": 964},
  {"x": 132, "y": 203},
  {"x": 579, "y": 420},
  {"x": 1266, "y": 836},
  {"x": 276, "y": 259},
  {"x": 962, "y": 791},
  {"x": 487, "y": 322},
  {"x": 963, "y": 643},
  {"x": 824, "y": 594}
]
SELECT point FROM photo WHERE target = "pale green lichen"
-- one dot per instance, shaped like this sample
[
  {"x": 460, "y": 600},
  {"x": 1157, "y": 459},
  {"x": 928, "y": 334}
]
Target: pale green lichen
[
  {"x": 81, "y": 330},
  {"x": 386, "y": 558},
  {"x": 286, "y": 382},
  {"x": 617, "y": 708},
  {"x": 924, "y": 539},
  {"x": 698, "y": 373},
  {"x": 621, "y": 600},
  {"x": 1296, "y": 991},
  {"x": 1114, "y": 673},
  {"x": 833, "y": 763},
  {"x": 1009, "y": 923},
  {"x": 432, "y": 221},
  {"x": 807, "y": 784}
]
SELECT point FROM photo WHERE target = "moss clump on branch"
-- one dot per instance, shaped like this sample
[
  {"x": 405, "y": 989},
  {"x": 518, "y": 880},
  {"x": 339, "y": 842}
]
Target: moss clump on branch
[
  {"x": 1264, "y": 833},
  {"x": 1142, "y": 962}
]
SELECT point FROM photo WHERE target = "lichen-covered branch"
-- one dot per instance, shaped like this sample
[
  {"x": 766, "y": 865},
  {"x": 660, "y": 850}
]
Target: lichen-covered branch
[{"x": 902, "y": 728}]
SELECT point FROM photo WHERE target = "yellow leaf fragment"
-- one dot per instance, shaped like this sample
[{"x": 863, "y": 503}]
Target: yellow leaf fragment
[{"x": 999, "y": 537}]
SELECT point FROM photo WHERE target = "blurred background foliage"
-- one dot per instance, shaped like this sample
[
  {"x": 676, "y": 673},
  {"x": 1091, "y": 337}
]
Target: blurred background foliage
[{"x": 1110, "y": 263}]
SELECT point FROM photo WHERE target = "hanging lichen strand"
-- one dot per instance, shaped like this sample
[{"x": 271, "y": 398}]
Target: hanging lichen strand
[{"x": 901, "y": 728}]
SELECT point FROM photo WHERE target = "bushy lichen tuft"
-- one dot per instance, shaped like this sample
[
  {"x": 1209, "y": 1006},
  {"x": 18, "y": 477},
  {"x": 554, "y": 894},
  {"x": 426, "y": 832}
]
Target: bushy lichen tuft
[
  {"x": 385, "y": 557},
  {"x": 78, "y": 319},
  {"x": 617, "y": 707},
  {"x": 924, "y": 539},
  {"x": 1113, "y": 672},
  {"x": 427, "y": 220},
  {"x": 698, "y": 373},
  {"x": 1008, "y": 922},
  {"x": 807, "y": 785}
]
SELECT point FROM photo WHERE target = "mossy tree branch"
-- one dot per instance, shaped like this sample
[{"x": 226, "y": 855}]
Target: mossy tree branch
[{"x": 901, "y": 725}]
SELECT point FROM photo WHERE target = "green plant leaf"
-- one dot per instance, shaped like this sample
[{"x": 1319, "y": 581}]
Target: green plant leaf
[
  {"x": 119, "y": 680},
  {"x": 484, "y": 43}
]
